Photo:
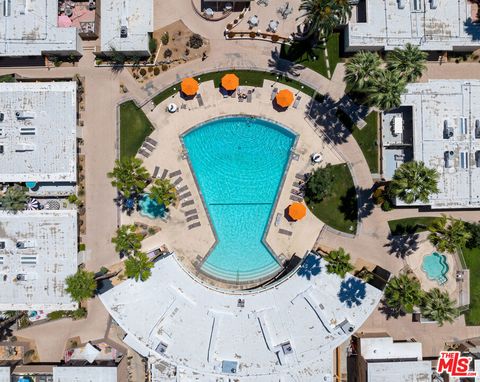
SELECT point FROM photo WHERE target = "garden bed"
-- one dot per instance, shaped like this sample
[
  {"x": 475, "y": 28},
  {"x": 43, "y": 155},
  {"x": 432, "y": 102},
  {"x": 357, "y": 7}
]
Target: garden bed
[
  {"x": 472, "y": 258},
  {"x": 411, "y": 225},
  {"x": 134, "y": 128}
]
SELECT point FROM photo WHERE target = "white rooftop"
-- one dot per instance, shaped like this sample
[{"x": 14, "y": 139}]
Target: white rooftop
[
  {"x": 412, "y": 371},
  {"x": 84, "y": 374},
  {"x": 5, "y": 374},
  {"x": 30, "y": 28},
  {"x": 40, "y": 251},
  {"x": 431, "y": 24},
  {"x": 38, "y": 132},
  {"x": 383, "y": 348},
  {"x": 135, "y": 15},
  {"x": 442, "y": 109},
  {"x": 287, "y": 330}
]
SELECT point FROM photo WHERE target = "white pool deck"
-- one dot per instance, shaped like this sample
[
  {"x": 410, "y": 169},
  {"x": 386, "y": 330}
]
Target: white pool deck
[
  {"x": 192, "y": 245},
  {"x": 200, "y": 327}
]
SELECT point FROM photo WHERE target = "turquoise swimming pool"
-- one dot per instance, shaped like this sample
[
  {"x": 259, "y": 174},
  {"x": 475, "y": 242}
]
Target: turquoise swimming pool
[
  {"x": 435, "y": 266},
  {"x": 239, "y": 164},
  {"x": 150, "y": 208}
]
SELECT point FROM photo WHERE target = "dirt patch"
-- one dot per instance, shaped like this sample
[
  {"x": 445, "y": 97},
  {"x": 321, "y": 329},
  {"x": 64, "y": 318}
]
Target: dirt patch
[{"x": 174, "y": 47}]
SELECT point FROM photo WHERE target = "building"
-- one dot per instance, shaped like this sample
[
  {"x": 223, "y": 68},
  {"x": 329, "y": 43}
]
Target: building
[
  {"x": 5, "y": 374},
  {"x": 38, "y": 250},
  {"x": 433, "y": 25},
  {"x": 126, "y": 25},
  {"x": 378, "y": 358},
  {"x": 30, "y": 28},
  {"x": 285, "y": 331},
  {"x": 38, "y": 130},
  {"x": 439, "y": 124},
  {"x": 84, "y": 374}
]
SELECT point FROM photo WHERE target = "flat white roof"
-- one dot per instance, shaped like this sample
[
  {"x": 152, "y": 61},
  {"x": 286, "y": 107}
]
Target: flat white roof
[
  {"x": 29, "y": 28},
  {"x": 383, "y": 348},
  {"x": 135, "y": 15},
  {"x": 5, "y": 374},
  {"x": 40, "y": 251},
  {"x": 440, "y": 107},
  {"x": 84, "y": 374},
  {"x": 38, "y": 131},
  {"x": 287, "y": 330},
  {"x": 413, "y": 371},
  {"x": 447, "y": 26}
]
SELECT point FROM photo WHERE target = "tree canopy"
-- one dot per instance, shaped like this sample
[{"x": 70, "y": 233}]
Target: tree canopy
[
  {"x": 129, "y": 176},
  {"x": 448, "y": 234},
  {"x": 138, "y": 266},
  {"x": 409, "y": 62},
  {"x": 321, "y": 17},
  {"x": 127, "y": 240},
  {"x": 402, "y": 293},
  {"x": 438, "y": 306},
  {"x": 339, "y": 262},
  {"x": 163, "y": 191},
  {"x": 319, "y": 185},
  {"x": 81, "y": 285},
  {"x": 14, "y": 199}
]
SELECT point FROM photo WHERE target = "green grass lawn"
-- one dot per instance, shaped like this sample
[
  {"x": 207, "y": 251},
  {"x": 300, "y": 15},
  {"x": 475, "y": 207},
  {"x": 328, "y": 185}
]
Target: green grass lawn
[
  {"x": 411, "y": 225},
  {"x": 247, "y": 77},
  {"x": 134, "y": 127},
  {"x": 314, "y": 58},
  {"x": 472, "y": 258},
  {"x": 367, "y": 139},
  {"x": 7, "y": 78},
  {"x": 339, "y": 210}
]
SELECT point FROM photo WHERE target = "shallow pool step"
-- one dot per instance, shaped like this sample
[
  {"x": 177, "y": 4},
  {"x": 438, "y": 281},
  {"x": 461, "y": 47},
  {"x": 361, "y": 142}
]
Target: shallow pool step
[{"x": 240, "y": 276}]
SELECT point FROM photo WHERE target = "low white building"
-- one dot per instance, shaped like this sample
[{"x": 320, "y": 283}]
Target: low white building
[
  {"x": 30, "y": 28},
  {"x": 38, "y": 132},
  {"x": 380, "y": 359},
  {"x": 433, "y": 25},
  {"x": 38, "y": 250},
  {"x": 5, "y": 374},
  {"x": 84, "y": 374},
  {"x": 439, "y": 125},
  {"x": 126, "y": 25}
]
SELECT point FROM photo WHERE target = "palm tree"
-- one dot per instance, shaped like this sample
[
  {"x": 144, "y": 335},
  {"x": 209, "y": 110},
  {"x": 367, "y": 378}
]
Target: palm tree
[
  {"x": 127, "y": 240},
  {"x": 129, "y": 176},
  {"x": 414, "y": 181},
  {"x": 81, "y": 285},
  {"x": 448, "y": 234},
  {"x": 323, "y": 16},
  {"x": 163, "y": 192},
  {"x": 361, "y": 69},
  {"x": 338, "y": 262},
  {"x": 385, "y": 90},
  {"x": 138, "y": 266},
  {"x": 409, "y": 62},
  {"x": 14, "y": 199},
  {"x": 438, "y": 306},
  {"x": 402, "y": 293}
]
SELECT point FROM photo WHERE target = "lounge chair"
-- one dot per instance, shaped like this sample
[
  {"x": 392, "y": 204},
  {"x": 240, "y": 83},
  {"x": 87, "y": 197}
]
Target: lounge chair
[
  {"x": 164, "y": 174},
  {"x": 187, "y": 203},
  {"x": 143, "y": 152},
  {"x": 151, "y": 141},
  {"x": 297, "y": 101},
  {"x": 182, "y": 189},
  {"x": 175, "y": 173},
  {"x": 194, "y": 225},
  {"x": 249, "y": 96},
  {"x": 278, "y": 218},
  {"x": 285, "y": 232},
  {"x": 155, "y": 172},
  {"x": 148, "y": 147},
  {"x": 177, "y": 181},
  {"x": 200, "y": 100},
  {"x": 185, "y": 195},
  {"x": 296, "y": 198},
  {"x": 190, "y": 212},
  {"x": 274, "y": 93},
  {"x": 300, "y": 176},
  {"x": 191, "y": 218}
]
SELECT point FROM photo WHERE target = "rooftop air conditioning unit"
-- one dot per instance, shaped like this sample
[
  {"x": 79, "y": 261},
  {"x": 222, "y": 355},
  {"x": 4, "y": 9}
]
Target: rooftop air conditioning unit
[
  {"x": 477, "y": 129},
  {"x": 447, "y": 130},
  {"x": 287, "y": 348},
  {"x": 347, "y": 327},
  {"x": 448, "y": 155},
  {"x": 21, "y": 277},
  {"x": 123, "y": 32},
  {"x": 161, "y": 348},
  {"x": 477, "y": 158}
]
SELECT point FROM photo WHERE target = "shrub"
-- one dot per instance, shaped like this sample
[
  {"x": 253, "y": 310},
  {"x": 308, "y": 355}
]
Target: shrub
[
  {"x": 196, "y": 41},
  {"x": 474, "y": 229},
  {"x": 82, "y": 247},
  {"x": 103, "y": 270},
  {"x": 379, "y": 196},
  {"x": 56, "y": 315},
  {"x": 156, "y": 71},
  {"x": 187, "y": 52},
  {"x": 72, "y": 198},
  {"x": 229, "y": 26},
  {"x": 168, "y": 53},
  {"x": 252, "y": 34},
  {"x": 231, "y": 35},
  {"x": 150, "y": 69},
  {"x": 143, "y": 72},
  {"x": 165, "y": 38},
  {"x": 387, "y": 206},
  {"x": 320, "y": 184},
  {"x": 152, "y": 45},
  {"x": 164, "y": 67},
  {"x": 240, "y": 16},
  {"x": 275, "y": 38},
  {"x": 79, "y": 313}
]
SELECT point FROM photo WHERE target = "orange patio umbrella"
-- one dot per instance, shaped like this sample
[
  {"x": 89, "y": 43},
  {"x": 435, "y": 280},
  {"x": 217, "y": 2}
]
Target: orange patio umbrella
[
  {"x": 230, "y": 82},
  {"x": 284, "y": 98},
  {"x": 297, "y": 211},
  {"x": 189, "y": 86}
]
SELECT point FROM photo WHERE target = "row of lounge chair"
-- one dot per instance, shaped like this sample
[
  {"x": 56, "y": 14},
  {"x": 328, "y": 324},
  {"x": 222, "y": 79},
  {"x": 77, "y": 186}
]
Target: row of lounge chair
[
  {"x": 147, "y": 147},
  {"x": 185, "y": 198},
  {"x": 296, "y": 193}
]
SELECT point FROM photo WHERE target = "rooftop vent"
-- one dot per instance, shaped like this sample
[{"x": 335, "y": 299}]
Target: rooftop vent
[
  {"x": 448, "y": 156},
  {"x": 25, "y": 244},
  {"x": 28, "y": 260},
  {"x": 287, "y": 348},
  {"x": 401, "y": 4},
  {"x": 477, "y": 129},
  {"x": 347, "y": 327},
  {"x": 2, "y": 117},
  {"x": 27, "y": 130},
  {"x": 20, "y": 114},
  {"x": 447, "y": 130},
  {"x": 161, "y": 348},
  {"x": 123, "y": 32},
  {"x": 7, "y": 8},
  {"x": 477, "y": 158},
  {"x": 1, "y": 259},
  {"x": 433, "y": 4},
  {"x": 464, "y": 159},
  {"x": 463, "y": 125},
  {"x": 229, "y": 367},
  {"x": 21, "y": 277},
  {"x": 2, "y": 245}
]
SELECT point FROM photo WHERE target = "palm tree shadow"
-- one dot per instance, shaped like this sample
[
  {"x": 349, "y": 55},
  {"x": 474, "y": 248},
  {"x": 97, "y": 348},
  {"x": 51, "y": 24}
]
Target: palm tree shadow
[
  {"x": 283, "y": 65},
  {"x": 403, "y": 245},
  {"x": 310, "y": 267},
  {"x": 472, "y": 29},
  {"x": 352, "y": 292},
  {"x": 390, "y": 312}
]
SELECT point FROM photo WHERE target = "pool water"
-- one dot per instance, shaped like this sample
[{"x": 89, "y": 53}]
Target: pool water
[
  {"x": 435, "y": 266},
  {"x": 150, "y": 208},
  {"x": 239, "y": 163}
]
